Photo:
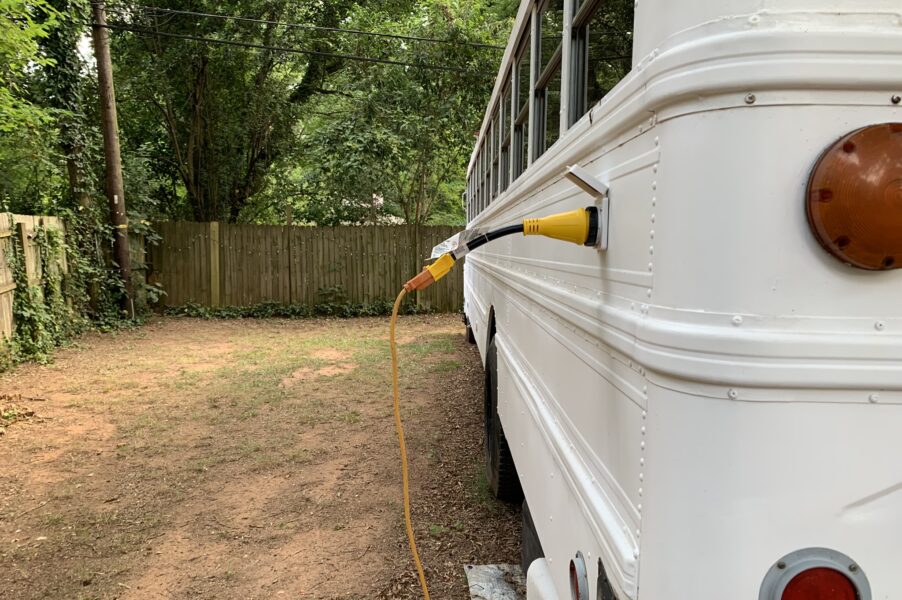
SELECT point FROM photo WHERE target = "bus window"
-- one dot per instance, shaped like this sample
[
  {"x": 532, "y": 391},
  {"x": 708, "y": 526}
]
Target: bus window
[
  {"x": 521, "y": 122},
  {"x": 602, "y": 49},
  {"x": 478, "y": 171},
  {"x": 548, "y": 81},
  {"x": 496, "y": 145},
  {"x": 484, "y": 154},
  {"x": 551, "y": 31},
  {"x": 505, "y": 139},
  {"x": 469, "y": 200}
]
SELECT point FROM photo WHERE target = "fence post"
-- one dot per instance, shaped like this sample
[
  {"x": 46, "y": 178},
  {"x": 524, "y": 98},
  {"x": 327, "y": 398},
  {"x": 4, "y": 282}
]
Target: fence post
[
  {"x": 214, "y": 264},
  {"x": 27, "y": 250}
]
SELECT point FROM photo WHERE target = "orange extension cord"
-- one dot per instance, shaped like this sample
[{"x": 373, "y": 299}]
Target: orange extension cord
[{"x": 399, "y": 427}]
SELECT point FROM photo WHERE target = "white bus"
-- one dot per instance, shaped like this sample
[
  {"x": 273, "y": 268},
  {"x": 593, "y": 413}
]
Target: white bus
[{"x": 709, "y": 408}]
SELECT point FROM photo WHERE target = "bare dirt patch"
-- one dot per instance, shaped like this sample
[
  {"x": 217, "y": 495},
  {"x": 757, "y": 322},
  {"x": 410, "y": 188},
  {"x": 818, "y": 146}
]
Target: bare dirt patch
[{"x": 246, "y": 459}]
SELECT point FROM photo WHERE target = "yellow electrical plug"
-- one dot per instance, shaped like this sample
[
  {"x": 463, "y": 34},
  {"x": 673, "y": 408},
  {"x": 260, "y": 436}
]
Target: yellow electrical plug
[
  {"x": 574, "y": 226},
  {"x": 431, "y": 273}
]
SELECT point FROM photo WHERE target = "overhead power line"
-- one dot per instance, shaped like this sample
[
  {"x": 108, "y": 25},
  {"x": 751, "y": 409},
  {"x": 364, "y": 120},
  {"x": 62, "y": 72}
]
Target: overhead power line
[
  {"x": 192, "y": 13},
  {"x": 384, "y": 61}
]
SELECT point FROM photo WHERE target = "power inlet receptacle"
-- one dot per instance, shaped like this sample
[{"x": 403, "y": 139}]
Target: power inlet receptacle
[{"x": 599, "y": 191}]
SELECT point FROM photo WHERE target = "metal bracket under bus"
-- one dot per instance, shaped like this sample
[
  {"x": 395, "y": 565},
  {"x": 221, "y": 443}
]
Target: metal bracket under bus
[{"x": 598, "y": 190}]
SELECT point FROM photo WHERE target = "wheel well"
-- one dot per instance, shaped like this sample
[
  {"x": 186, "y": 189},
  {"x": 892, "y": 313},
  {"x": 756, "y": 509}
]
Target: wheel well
[{"x": 490, "y": 330}]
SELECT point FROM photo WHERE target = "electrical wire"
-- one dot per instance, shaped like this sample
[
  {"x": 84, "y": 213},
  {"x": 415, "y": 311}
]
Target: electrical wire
[
  {"x": 192, "y": 13},
  {"x": 494, "y": 235},
  {"x": 385, "y": 61},
  {"x": 399, "y": 427}
]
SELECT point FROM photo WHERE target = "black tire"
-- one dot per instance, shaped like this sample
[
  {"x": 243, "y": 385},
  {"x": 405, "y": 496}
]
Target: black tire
[
  {"x": 530, "y": 546},
  {"x": 499, "y": 464}
]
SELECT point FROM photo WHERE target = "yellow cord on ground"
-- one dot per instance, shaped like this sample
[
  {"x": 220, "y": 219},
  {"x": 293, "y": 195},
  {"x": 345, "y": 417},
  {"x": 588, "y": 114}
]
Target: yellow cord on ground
[{"x": 399, "y": 427}]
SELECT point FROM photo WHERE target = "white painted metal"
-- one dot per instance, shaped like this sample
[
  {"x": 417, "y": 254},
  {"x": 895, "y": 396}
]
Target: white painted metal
[
  {"x": 714, "y": 390},
  {"x": 539, "y": 582}
]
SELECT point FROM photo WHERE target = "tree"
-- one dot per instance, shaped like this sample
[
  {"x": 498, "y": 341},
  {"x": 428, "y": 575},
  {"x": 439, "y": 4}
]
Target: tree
[
  {"x": 26, "y": 128},
  {"x": 227, "y": 113},
  {"x": 403, "y": 135}
]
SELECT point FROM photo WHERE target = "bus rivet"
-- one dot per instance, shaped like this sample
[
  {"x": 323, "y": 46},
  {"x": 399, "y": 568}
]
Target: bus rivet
[
  {"x": 879, "y": 325},
  {"x": 896, "y": 99},
  {"x": 781, "y": 565},
  {"x": 737, "y": 320},
  {"x": 853, "y": 568},
  {"x": 733, "y": 394},
  {"x": 750, "y": 99},
  {"x": 874, "y": 398}
]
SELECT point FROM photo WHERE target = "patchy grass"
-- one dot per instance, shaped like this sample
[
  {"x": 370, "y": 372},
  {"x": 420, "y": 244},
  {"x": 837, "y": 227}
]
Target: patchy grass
[{"x": 241, "y": 459}]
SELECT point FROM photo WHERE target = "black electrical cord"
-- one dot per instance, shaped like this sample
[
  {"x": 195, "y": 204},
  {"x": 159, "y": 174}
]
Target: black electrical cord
[{"x": 494, "y": 235}]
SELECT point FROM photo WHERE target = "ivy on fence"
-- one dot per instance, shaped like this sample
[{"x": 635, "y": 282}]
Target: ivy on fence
[
  {"x": 43, "y": 318},
  {"x": 62, "y": 303}
]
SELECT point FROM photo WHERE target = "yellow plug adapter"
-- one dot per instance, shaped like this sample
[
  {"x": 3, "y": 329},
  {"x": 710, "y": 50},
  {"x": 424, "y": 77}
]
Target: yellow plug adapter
[
  {"x": 431, "y": 273},
  {"x": 578, "y": 226}
]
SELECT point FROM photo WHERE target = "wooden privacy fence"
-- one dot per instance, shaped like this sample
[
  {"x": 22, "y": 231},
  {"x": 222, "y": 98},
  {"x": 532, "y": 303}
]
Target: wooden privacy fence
[
  {"x": 219, "y": 264},
  {"x": 21, "y": 230}
]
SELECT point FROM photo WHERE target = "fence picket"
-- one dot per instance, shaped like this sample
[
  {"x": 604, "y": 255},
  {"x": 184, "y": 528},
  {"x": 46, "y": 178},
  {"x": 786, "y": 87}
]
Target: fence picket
[{"x": 293, "y": 264}]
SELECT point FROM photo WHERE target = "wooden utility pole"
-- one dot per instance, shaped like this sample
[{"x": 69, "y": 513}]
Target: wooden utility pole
[{"x": 115, "y": 189}]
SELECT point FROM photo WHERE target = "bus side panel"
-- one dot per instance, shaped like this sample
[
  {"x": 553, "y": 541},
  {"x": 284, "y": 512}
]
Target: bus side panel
[
  {"x": 733, "y": 236},
  {"x": 478, "y": 299},
  {"x": 571, "y": 403},
  {"x": 756, "y": 480},
  {"x": 573, "y": 418}
]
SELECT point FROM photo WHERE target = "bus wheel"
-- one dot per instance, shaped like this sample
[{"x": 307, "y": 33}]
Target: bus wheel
[
  {"x": 499, "y": 464},
  {"x": 530, "y": 545}
]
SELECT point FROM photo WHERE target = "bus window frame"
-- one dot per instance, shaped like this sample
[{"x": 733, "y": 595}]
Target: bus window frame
[
  {"x": 543, "y": 78},
  {"x": 506, "y": 132},
  {"x": 506, "y": 150},
  {"x": 583, "y": 13},
  {"x": 521, "y": 120}
]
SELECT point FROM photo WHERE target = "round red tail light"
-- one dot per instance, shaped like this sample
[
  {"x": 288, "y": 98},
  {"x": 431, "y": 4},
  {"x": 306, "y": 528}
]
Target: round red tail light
[
  {"x": 820, "y": 584},
  {"x": 855, "y": 198}
]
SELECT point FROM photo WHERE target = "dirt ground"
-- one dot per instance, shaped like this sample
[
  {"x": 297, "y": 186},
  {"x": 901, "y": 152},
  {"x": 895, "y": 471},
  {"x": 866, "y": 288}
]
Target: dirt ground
[{"x": 245, "y": 459}]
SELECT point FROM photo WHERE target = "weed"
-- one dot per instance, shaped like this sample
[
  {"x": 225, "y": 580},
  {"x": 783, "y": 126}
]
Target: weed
[
  {"x": 445, "y": 366},
  {"x": 269, "y": 310}
]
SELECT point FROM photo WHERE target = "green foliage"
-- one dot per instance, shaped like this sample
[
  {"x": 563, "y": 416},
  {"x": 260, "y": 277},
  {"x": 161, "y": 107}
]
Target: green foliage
[
  {"x": 396, "y": 144},
  {"x": 43, "y": 318},
  {"x": 331, "y": 302},
  {"x": 27, "y": 128},
  {"x": 21, "y": 30},
  {"x": 265, "y": 136}
]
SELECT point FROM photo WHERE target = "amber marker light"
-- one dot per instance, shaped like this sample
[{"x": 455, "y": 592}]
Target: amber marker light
[{"x": 855, "y": 198}]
